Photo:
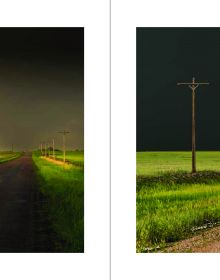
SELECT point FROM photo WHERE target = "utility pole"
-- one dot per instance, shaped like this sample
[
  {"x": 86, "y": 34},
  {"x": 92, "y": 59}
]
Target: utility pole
[
  {"x": 41, "y": 149},
  {"x": 193, "y": 86},
  {"x": 53, "y": 149},
  {"x": 45, "y": 146},
  {"x": 64, "y": 132},
  {"x": 48, "y": 148}
]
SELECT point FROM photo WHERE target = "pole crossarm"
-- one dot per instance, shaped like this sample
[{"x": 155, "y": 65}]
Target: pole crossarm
[
  {"x": 64, "y": 132},
  {"x": 193, "y": 85}
]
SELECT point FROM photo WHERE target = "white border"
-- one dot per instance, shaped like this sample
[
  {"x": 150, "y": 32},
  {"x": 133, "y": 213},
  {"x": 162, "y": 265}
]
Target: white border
[
  {"x": 94, "y": 16},
  {"x": 126, "y": 16}
]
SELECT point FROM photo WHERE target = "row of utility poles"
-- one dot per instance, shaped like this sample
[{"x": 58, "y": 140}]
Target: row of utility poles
[{"x": 45, "y": 147}]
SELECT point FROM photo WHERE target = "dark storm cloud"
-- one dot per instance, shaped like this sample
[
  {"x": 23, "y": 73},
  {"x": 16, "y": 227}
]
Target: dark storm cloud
[
  {"x": 41, "y": 86},
  {"x": 166, "y": 56}
]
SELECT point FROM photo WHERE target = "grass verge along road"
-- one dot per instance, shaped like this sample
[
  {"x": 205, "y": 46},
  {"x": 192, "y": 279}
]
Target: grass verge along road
[
  {"x": 7, "y": 156},
  {"x": 64, "y": 189}
]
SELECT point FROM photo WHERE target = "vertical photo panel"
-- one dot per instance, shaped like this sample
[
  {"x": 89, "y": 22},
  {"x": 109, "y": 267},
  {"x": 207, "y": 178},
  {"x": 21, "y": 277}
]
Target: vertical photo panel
[
  {"x": 178, "y": 141},
  {"x": 42, "y": 140}
]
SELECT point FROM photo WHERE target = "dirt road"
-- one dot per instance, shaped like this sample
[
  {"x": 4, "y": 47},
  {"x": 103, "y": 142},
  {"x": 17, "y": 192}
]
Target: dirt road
[
  {"x": 23, "y": 219},
  {"x": 206, "y": 242}
]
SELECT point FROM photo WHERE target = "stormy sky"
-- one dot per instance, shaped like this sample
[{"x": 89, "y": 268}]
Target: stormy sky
[
  {"x": 41, "y": 86},
  {"x": 166, "y": 56}
]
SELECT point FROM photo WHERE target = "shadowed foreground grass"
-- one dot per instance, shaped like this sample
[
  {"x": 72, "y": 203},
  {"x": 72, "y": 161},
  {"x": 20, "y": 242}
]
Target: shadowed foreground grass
[
  {"x": 170, "y": 205},
  {"x": 64, "y": 189}
]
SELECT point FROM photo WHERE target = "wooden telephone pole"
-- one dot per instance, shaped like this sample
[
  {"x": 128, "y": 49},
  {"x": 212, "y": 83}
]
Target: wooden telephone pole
[
  {"x": 64, "y": 132},
  {"x": 45, "y": 149},
  {"x": 48, "y": 148},
  {"x": 53, "y": 148},
  {"x": 193, "y": 86},
  {"x": 41, "y": 148}
]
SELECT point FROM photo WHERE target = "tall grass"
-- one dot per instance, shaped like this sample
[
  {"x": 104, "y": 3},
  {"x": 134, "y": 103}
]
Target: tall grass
[
  {"x": 171, "y": 204},
  {"x": 64, "y": 190}
]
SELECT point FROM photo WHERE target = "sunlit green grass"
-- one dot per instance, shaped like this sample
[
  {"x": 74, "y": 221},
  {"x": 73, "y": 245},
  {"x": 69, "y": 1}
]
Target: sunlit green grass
[
  {"x": 7, "y": 156},
  {"x": 170, "y": 200},
  {"x": 64, "y": 190},
  {"x": 150, "y": 163},
  {"x": 75, "y": 157}
]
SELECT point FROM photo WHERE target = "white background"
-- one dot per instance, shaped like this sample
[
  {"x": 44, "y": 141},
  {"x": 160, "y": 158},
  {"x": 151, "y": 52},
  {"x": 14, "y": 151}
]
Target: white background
[
  {"x": 94, "y": 16},
  {"x": 126, "y": 16}
]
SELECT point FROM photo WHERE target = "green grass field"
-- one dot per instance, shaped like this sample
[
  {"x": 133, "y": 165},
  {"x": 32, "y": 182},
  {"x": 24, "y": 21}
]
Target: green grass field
[
  {"x": 152, "y": 163},
  {"x": 172, "y": 202},
  {"x": 6, "y": 156},
  {"x": 64, "y": 189},
  {"x": 74, "y": 157}
]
